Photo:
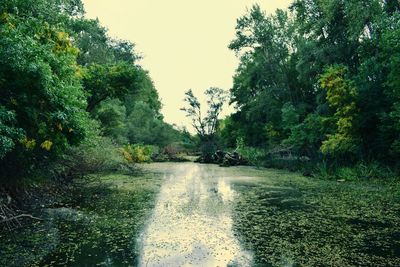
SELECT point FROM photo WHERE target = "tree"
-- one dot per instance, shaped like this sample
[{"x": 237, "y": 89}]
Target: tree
[
  {"x": 111, "y": 113},
  {"x": 96, "y": 47},
  {"x": 145, "y": 92},
  {"x": 108, "y": 81},
  {"x": 321, "y": 78},
  {"x": 42, "y": 105},
  {"x": 266, "y": 78},
  {"x": 205, "y": 126},
  {"x": 342, "y": 97}
]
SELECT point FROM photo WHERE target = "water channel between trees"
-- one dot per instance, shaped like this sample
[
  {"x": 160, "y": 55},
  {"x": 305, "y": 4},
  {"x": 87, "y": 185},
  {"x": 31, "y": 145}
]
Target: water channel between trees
[{"x": 189, "y": 214}]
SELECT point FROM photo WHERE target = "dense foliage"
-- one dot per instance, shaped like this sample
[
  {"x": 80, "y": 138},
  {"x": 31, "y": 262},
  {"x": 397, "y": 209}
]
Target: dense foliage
[
  {"x": 65, "y": 86},
  {"x": 319, "y": 81}
]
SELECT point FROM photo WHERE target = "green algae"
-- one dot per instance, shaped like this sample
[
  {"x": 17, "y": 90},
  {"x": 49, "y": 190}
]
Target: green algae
[
  {"x": 290, "y": 220},
  {"x": 283, "y": 218},
  {"x": 98, "y": 225}
]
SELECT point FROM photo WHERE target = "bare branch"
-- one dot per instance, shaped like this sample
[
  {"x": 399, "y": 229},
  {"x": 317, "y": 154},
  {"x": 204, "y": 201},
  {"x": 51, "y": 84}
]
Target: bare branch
[
  {"x": 208, "y": 125},
  {"x": 20, "y": 216}
]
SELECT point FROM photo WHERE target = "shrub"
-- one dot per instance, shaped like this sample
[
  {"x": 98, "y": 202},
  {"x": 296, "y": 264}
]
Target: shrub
[
  {"x": 98, "y": 156},
  {"x": 139, "y": 153},
  {"x": 323, "y": 171},
  {"x": 254, "y": 156},
  {"x": 360, "y": 171},
  {"x": 346, "y": 173},
  {"x": 207, "y": 149},
  {"x": 374, "y": 170},
  {"x": 173, "y": 152}
]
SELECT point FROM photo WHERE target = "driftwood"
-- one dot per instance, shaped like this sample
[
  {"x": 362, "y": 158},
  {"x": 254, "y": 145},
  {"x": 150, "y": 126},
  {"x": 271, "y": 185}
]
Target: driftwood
[{"x": 224, "y": 158}]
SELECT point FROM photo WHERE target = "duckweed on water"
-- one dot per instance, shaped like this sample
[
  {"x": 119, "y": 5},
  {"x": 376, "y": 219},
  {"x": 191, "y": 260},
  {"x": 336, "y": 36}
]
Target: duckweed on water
[
  {"x": 289, "y": 220},
  {"x": 282, "y": 219},
  {"x": 99, "y": 228}
]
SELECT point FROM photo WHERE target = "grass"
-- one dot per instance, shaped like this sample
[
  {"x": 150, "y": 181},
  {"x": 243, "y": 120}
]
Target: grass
[{"x": 290, "y": 220}]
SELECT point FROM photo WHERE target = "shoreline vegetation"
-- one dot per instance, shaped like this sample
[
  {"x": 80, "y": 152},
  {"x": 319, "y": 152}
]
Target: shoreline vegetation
[{"x": 316, "y": 93}]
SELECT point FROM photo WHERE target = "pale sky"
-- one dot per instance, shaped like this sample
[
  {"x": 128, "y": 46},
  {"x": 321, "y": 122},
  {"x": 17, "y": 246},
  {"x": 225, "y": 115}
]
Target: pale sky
[{"x": 184, "y": 42}]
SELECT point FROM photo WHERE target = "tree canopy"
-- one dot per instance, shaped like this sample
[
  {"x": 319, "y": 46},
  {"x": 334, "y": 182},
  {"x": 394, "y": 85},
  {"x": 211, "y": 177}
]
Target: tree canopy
[
  {"x": 320, "y": 79},
  {"x": 64, "y": 81}
]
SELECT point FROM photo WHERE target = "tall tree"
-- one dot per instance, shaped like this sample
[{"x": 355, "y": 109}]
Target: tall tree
[
  {"x": 205, "y": 126},
  {"x": 42, "y": 104}
]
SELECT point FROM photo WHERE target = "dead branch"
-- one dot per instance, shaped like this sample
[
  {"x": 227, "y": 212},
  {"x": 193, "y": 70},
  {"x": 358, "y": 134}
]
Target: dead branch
[{"x": 21, "y": 216}]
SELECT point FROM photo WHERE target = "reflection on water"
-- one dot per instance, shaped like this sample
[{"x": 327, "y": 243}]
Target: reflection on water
[
  {"x": 225, "y": 190},
  {"x": 192, "y": 224}
]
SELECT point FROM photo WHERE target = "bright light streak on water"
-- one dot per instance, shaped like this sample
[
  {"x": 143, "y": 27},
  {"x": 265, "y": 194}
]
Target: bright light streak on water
[{"x": 192, "y": 224}]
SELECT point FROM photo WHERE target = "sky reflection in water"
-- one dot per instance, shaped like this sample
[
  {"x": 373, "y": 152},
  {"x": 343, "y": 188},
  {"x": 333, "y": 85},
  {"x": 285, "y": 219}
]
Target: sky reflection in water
[{"x": 192, "y": 224}]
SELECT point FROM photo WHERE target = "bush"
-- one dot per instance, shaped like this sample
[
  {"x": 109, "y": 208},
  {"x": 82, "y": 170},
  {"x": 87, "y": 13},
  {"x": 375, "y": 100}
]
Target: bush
[
  {"x": 273, "y": 159},
  {"x": 360, "y": 171},
  {"x": 207, "y": 149},
  {"x": 254, "y": 156},
  {"x": 99, "y": 156},
  {"x": 139, "y": 153},
  {"x": 365, "y": 171},
  {"x": 323, "y": 171},
  {"x": 171, "y": 151},
  {"x": 346, "y": 173}
]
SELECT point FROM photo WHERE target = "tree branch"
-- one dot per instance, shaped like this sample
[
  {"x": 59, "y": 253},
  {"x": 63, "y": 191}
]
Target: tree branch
[{"x": 21, "y": 216}]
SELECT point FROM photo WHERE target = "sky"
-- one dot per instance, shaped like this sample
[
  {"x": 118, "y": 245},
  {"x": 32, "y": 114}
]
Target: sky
[{"x": 184, "y": 43}]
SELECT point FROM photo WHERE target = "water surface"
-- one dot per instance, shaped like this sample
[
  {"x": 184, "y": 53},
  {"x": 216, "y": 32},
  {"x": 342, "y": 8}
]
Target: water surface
[{"x": 192, "y": 221}]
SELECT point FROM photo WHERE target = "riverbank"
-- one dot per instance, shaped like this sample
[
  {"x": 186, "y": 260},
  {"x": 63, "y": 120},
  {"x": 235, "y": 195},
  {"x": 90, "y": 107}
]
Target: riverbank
[{"x": 95, "y": 223}]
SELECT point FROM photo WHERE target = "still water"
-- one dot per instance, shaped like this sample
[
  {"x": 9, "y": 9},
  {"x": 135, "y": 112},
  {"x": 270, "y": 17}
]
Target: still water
[{"x": 192, "y": 222}]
